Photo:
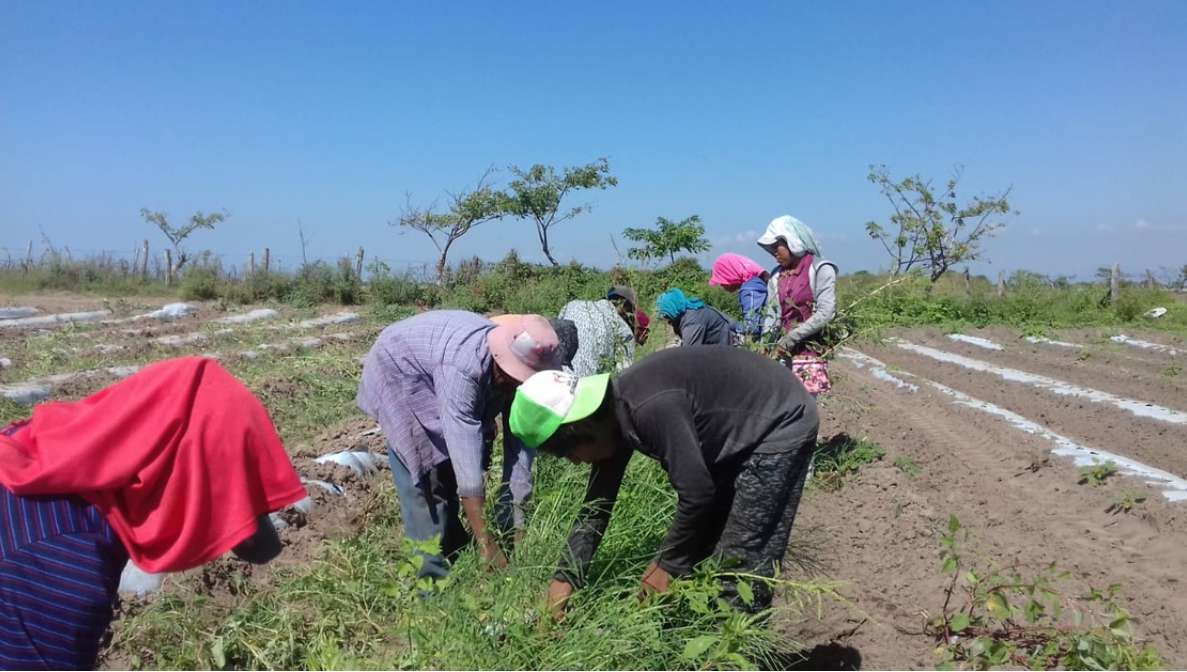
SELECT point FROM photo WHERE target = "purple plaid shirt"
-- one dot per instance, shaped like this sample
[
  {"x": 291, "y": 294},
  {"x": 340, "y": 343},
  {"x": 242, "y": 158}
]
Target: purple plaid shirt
[{"x": 427, "y": 381}]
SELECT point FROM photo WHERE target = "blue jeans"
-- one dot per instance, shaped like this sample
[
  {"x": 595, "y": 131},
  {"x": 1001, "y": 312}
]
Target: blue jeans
[{"x": 430, "y": 511}]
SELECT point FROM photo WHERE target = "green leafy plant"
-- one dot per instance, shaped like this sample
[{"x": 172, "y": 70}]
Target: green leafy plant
[
  {"x": 1172, "y": 370},
  {"x": 907, "y": 465},
  {"x": 1097, "y": 474},
  {"x": 1125, "y": 502},
  {"x": 993, "y": 617}
]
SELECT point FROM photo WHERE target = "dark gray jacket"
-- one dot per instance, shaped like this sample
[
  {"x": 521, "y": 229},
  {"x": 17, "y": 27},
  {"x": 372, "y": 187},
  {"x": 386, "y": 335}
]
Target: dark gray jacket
[{"x": 704, "y": 326}]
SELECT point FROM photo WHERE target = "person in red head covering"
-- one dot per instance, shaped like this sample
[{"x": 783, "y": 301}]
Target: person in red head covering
[{"x": 171, "y": 468}]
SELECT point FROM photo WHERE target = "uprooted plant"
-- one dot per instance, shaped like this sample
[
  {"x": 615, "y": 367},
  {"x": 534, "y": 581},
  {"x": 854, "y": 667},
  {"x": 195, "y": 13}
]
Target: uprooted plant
[{"x": 996, "y": 617}]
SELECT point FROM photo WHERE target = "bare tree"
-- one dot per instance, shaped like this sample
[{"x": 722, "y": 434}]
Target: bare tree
[
  {"x": 467, "y": 209},
  {"x": 177, "y": 235}
]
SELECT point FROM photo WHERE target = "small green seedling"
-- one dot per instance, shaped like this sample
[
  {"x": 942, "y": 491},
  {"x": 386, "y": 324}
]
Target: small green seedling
[
  {"x": 1172, "y": 371},
  {"x": 907, "y": 466},
  {"x": 1097, "y": 474},
  {"x": 1125, "y": 503},
  {"x": 1083, "y": 356}
]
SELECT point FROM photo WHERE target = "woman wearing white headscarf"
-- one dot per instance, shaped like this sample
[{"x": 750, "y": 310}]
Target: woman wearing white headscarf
[{"x": 802, "y": 298}]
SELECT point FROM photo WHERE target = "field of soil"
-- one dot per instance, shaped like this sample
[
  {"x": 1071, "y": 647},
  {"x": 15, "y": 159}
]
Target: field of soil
[
  {"x": 879, "y": 533},
  {"x": 979, "y": 418}
]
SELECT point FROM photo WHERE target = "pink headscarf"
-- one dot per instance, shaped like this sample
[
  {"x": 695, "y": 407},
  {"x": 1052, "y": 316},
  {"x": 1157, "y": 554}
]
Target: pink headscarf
[{"x": 733, "y": 269}]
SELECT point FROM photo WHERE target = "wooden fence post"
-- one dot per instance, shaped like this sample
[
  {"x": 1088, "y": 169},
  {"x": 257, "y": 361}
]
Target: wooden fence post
[
  {"x": 968, "y": 281},
  {"x": 1001, "y": 284},
  {"x": 144, "y": 262},
  {"x": 267, "y": 260},
  {"x": 1115, "y": 284},
  {"x": 251, "y": 262},
  {"x": 168, "y": 268},
  {"x": 358, "y": 264}
]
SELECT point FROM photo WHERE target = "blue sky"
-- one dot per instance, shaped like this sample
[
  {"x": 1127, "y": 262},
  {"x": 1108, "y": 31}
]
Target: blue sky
[{"x": 329, "y": 113}]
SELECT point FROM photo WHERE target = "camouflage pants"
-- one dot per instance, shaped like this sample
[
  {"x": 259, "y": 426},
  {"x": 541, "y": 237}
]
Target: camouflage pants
[{"x": 756, "y": 505}]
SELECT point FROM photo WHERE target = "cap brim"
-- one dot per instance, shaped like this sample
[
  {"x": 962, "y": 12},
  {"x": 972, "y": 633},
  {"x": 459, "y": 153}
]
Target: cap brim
[
  {"x": 588, "y": 396},
  {"x": 499, "y": 341}
]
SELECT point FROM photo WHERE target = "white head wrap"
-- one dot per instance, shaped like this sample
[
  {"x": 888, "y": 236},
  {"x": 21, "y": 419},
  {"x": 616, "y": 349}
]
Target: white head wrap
[{"x": 799, "y": 238}]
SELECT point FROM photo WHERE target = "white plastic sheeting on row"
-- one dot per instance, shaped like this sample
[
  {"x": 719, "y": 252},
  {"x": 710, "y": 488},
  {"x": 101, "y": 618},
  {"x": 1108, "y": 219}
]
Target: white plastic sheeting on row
[
  {"x": 328, "y": 320},
  {"x": 977, "y": 341},
  {"x": 136, "y": 581},
  {"x": 1142, "y": 409},
  {"x": 57, "y": 319},
  {"x": 257, "y": 315},
  {"x": 1043, "y": 340},
  {"x": 1144, "y": 345},
  {"x": 39, "y": 389},
  {"x": 1173, "y": 488},
  {"x": 876, "y": 368},
  {"x": 361, "y": 462},
  {"x": 5, "y": 363},
  {"x": 15, "y": 312}
]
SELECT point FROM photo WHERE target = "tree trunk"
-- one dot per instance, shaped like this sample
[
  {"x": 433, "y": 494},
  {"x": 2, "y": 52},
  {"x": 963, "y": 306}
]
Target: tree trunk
[
  {"x": 251, "y": 262},
  {"x": 168, "y": 268},
  {"x": 144, "y": 263},
  {"x": 1115, "y": 284},
  {"x": 358, "y": 264},
  {"x": 968, "y": 282},
  {"x": 29, "y": 258},
  {"x": 267, "y": 260},
  {"x": 543, "y": 234},
  {"x": 1001, "y": 284}
]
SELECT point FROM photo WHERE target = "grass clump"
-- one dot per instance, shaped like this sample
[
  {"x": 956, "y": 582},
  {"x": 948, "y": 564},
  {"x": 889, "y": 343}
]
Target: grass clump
[{"x": 841, "y": 457}]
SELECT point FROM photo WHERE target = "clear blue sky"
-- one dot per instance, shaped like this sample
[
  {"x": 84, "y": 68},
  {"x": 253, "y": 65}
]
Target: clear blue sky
[{"x": 328, "y": 113}]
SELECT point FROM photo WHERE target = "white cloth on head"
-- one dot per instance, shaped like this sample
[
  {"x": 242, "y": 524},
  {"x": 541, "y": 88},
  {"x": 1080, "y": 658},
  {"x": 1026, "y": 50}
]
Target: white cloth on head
[{"x": 799, "y": 238}]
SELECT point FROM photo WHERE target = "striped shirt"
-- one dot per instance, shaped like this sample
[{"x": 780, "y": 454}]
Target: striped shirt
[
  {"x": 60, "y": 565},
  {"x": 427, "y": 381}
]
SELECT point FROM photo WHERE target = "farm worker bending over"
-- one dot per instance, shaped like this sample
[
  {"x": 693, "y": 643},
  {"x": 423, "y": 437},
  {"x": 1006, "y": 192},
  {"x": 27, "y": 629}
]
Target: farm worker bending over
[
  {"x": 171, "y": 467},
  {"x": 803, "y": 290},
  {"x": 693, "y": 321},
  {"x": 733, "y": 431},
  {"x": 742, "y": 275},
  {"x": 627, "y": 303},
  {"x": 605, "y": 340},
  {"x": 434, "y": 382}
]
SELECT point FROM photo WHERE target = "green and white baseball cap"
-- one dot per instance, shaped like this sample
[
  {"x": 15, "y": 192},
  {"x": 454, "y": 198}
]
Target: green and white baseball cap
[{"x": 550, "y": 399}]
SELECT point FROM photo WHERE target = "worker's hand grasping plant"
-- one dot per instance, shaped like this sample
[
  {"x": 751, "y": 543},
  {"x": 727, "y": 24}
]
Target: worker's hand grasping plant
[
  {"x": 488, "y": 547},
  {"x": 655, "y": 580},
  {"x": 559, "y": 593}
]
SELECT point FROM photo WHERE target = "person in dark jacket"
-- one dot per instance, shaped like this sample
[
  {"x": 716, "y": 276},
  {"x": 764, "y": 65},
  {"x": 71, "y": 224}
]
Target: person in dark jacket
[
  {"x": 693, "y": 321},
  {"x": 733, "y": 431}
]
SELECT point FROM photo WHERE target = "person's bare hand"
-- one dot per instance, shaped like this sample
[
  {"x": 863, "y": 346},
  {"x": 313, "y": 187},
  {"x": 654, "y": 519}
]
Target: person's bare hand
[
  {"x": 558, "y": 598},
  {"x": 655, "y": 580},
  {"x": 492, "y": 555}
]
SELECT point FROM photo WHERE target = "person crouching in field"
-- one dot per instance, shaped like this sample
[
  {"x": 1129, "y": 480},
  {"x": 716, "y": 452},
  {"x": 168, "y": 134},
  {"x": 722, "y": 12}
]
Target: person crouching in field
[
  {"x": 171, "y": 467},
  {"x": 744, "y": 277},
  {"x": 732, "y": 429},
  {"x": 434, "y": 383},
  {"x": 693, "y": 321}
]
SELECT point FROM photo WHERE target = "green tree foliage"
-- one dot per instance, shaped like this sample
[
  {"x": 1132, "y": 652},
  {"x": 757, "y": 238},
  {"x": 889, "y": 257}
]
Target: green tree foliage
[
  {"x": 178, "y": 234},
  {"x": 667, "y": 238},
  {"x": 933, "y": 231},
  {"x": 538, "y": 192},
  {"x": 467, "y": 209}
]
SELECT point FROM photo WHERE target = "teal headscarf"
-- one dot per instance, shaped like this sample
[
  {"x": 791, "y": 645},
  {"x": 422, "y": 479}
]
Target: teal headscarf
[{"x": 672, "y": 304}]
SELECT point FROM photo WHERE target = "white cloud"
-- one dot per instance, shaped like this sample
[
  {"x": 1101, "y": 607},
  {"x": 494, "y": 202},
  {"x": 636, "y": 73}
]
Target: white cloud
[
  {"x": 747, "y": 236},
  {"x": 1104, "y": 227},
  {"x": 1141, "y": 224}
]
